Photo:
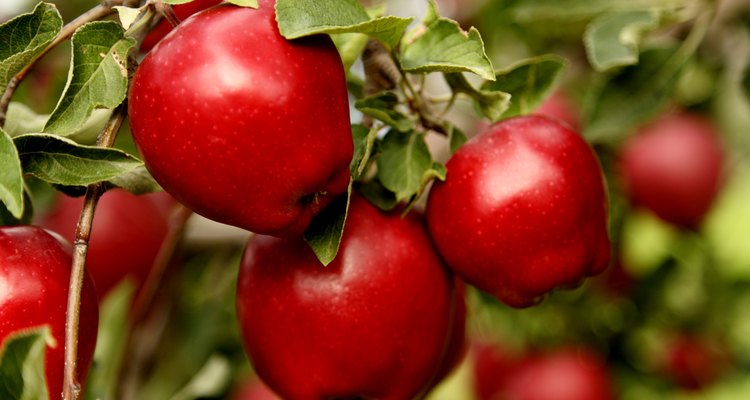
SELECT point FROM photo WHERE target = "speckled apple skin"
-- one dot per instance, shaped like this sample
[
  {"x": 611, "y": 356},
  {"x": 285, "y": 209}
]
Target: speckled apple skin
[
  {"x": 674, "y": 167},
  {"x": 34, "y": 278},
  {"x": 373, "y": 324},
  {"x": 523, "y": 210},
  {"x": 241, "y": 125}
]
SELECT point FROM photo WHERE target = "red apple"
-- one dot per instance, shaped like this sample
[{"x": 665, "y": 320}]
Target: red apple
[
  {"x": 372, "y": 324},
  {"x": 523, "y": 210},
  {"x": 457, "y": 347},
  {"x": 34, "y": 277},
  {"x": 560, "y": 374},
  {"x": 181, "y": 11},
  {"x": 126, "y": 236},
  {"x": 693, "y": 362},
  {"x": 241, "y": 125},
  {"x": 673, "y": 167},
  {"x": 563, "y": 374}
]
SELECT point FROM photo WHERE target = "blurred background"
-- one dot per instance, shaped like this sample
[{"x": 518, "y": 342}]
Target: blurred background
[{"x": 667, "y": 320}]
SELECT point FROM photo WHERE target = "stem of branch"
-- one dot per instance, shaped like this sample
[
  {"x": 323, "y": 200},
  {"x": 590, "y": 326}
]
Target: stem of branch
[
  {"x": 94, "y": 14},
  {"x": 71, "y": 386}
]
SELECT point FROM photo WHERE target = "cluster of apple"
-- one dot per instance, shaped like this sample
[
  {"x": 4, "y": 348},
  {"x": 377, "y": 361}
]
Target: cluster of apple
[
  {"x": 262, "y": 140},
  {"x": 231, "y": 135}
]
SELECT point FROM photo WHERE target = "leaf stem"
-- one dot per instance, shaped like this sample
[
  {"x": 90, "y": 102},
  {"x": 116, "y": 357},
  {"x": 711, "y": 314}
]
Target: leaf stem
[
  {"x": 94, "y": 14},
  {"x": 71, "y": 386}
]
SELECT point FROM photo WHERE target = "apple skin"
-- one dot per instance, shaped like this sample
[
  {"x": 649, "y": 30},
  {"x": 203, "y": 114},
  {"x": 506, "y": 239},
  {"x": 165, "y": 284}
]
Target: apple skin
[
  {"x": 693, "y": 362},
  {"x": 674, "y": 167},
  {"x": 241, "y": 125},
  {"x": 34, "y": 276},
  {"x": 372, "y": 324},
  {"x": 253, "y": 389},
  {"x": 181, "y": 11},
  {"x": 523, "y": 210},
  {"x": 457, "y": 346},
  {"x": 126, "y": 236},
  {"x": 559, "y": 374}
]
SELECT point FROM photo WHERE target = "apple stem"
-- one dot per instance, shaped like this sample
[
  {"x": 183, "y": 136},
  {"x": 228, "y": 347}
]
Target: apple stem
[
  {"x": 167, "y": 11},
  {"x": 94, "y": 14},
  {"x": 71, "y": 386}
]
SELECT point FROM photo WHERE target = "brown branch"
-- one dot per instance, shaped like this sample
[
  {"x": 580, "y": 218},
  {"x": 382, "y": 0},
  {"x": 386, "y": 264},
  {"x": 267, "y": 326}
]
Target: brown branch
[{"x": 71, "y": 386}]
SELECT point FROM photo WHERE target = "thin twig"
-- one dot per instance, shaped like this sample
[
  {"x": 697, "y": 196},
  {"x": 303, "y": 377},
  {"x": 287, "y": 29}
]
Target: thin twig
[{"x": 94, "y": 14}]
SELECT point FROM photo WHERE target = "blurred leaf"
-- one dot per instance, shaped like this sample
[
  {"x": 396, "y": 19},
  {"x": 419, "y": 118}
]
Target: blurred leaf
[
  {"x": 22, "y": 119},
  {"x": 11, "y": 177},
  {"x": 746, "y": 83},
  {"x": 25, "y": 37},
  {"x": 327, "y": 228},
  {"x": 98, "y": 77},
  {"x": 61, "y": 161},
  {"x": 299, "y": 18},
  {"x": 404, "y": 164},
  {"x": 111, "y": 338},
  {"x": 634, "y": 95},
  {"x": 528, "y": 82},
  {"x": 445, "y": 47},
  {"x": 492, "y": 103},
  {"x": 577, "y": 10},
  {"x": 364, "y": 141},
  {"x": 210, "y": 381},
  {"x": 612, "y": 40},
  {"x": 382, "y": 106},
  {"x": 647, "y": 242},
  {"x": 22, "y": 364}
]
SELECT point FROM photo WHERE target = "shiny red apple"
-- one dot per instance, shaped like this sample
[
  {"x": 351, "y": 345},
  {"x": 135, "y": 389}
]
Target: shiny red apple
[
  {"x": 523, "y": 210},
  {"x": 241, "y": 125},
  {"x": 126, "y": 236},
  {"x": 34, "y": 278},
  {"x": 373, "y": 324},
  {"x": 673, "y": 167}
]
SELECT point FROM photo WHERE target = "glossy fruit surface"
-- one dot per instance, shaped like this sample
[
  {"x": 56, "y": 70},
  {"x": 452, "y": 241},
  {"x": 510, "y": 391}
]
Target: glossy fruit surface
[
  {"x": 181, "y": 11},
  {"x": 673, "y": 167},
  {"x": 560, "y": 374},
  {"x": 457, "y": 346},
  {"x": 372, "y": 324},
  {"x": 126, "y": 236},
  {"x": 253, "y": 390},
  {"x": 523, "y": 210},
  {"x": 34, "y": 276},
  {"x": 241, "y": 125}
]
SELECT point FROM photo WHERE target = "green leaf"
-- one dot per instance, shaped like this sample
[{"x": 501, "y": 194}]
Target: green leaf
[
  {"x": 456, "y": 138},
  {"x": 746, "y": 83},
  {"x": 61, "y": 161},
  {"x": 364, "y": 141},
  {"x": 445, "y": 47},
  {"x": 634, "y": 95},
  {"x": 382, "y": 106},
  {"x": 492, "y": 103},
  {"x": 98, "y": 76},
  {"x": 403, "y": 162},
  {"x": 22, "y": 364},
  {"x": 22, "y": 119},
  {"x": 11, "y": 177},
  {"x": 127, "y": 15},
  {"x": 350, "y": 47},
  {"x": 528, "y": 81},
  {"x": 377, "y": 194},
  {"x": 25, "y": 37},
  {"x": 244, "y": 3},
  {"x": 8, "y": 219},
  {"x": 299, "y": 18},
  {"x": 327, "y": 228},
  {"x": 612, "y": 40}
]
